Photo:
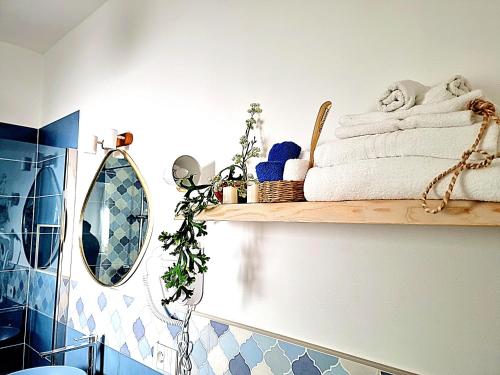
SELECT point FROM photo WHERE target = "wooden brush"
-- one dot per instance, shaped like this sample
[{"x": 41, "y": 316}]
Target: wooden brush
[{"x": 318, "y": 127}]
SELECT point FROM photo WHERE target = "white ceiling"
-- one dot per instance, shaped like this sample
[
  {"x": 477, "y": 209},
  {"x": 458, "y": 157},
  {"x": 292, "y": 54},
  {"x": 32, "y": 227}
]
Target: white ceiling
[{"x": 39, "y": 24}]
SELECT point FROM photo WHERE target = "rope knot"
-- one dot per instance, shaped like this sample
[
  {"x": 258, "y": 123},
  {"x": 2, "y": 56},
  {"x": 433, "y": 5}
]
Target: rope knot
[
  {"x": 487, "y": 110},
  {"x": 483, "y": 161},
  {"x": 482, "y": 107}
]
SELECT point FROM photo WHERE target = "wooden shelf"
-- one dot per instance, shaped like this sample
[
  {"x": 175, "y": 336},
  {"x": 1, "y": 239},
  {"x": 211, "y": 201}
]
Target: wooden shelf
[{"x": 463, "y": 213}]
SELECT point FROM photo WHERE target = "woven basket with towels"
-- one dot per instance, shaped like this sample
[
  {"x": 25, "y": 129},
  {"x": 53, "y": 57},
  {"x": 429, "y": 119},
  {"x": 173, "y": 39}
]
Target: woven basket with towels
[{"x": 290, "y": 190}]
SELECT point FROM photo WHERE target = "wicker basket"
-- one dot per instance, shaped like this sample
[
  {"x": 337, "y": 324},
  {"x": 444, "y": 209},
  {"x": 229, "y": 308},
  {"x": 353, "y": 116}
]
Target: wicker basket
[
  {"x": 293, "y": 191},
  {"x": 281, "y": 191}
]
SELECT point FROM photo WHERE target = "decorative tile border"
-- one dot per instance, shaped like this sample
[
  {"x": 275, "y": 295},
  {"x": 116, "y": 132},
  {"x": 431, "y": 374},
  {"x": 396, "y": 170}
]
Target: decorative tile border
[
  {"x": 42, "y": 292},
  {"x": 130, "y": 328},
  {"x": 18, "y": 280}
]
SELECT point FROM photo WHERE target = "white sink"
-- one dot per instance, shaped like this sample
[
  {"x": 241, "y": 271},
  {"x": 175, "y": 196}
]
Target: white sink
[{"x": 51, "y": 370}]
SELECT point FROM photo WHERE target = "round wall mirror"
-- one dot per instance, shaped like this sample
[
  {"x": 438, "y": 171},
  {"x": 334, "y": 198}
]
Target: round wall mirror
[{"x": 115, "y": 220}]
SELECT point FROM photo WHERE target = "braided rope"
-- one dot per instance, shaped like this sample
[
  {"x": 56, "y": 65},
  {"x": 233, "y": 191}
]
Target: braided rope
[
  {"x": 487, "y": 110},
  {"x": 184, "y": 365}
]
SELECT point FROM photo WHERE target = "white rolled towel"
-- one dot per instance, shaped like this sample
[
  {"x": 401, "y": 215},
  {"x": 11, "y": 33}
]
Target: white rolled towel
[
  {"x": 295, "y": 170},
  {"x": 399, "y": 178},
  {"x": 401, "y": 95},
  {"x": 449, "y": 89},
  {"x": 426, "y": 120},
  {"x": 451, "y": 105},
  {"x": 443, "y": 143}
]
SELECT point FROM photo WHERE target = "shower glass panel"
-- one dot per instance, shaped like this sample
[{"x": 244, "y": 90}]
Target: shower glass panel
[
  {"x": 18, "y": 151},
  {"x": 33, "y": 179}
]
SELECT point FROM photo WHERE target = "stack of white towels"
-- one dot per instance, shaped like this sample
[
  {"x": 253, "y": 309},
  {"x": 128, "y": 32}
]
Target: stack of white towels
[{"x": 393, "y": 153}]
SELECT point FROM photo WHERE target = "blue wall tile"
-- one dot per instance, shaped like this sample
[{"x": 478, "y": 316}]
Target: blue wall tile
[
  {"x": 305, "y": 366},
  {"x": 61, "y": 133},
  {"x": 19, "y": 151},
  {"x": 46, "y": 154},
  {"x": 16, "y": 178},
  {"x": 18, "y": 133},
  {"x": 18, "y": 280},
  {"x": 11, "y": 359},
  {"x": 77, "y": 358},
  {"x": 108, "y": 360},
  {"x": 12, "y": 327},
  {"x": 39, "y": 335},
  {"x": 130, "y": 367},
  {"x": 32, "y": 359},
  {"x": 42, "y": 292}
]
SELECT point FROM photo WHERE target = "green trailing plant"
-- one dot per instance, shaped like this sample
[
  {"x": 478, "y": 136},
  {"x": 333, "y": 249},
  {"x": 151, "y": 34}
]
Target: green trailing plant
[{"x": 184, "y": 243}]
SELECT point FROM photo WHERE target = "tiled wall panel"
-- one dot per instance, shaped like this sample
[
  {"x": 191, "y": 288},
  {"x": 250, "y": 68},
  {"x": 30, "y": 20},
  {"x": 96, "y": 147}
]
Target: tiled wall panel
[{"x": 131, "y": 328}]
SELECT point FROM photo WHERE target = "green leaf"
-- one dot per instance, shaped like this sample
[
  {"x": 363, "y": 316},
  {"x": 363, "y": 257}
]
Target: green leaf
[{"x": 184, "y": 243}]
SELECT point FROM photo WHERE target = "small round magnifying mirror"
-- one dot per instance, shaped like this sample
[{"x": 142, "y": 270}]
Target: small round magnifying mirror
[{"x": 184, "y": 169}]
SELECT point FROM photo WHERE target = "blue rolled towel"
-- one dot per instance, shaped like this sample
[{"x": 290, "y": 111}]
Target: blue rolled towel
[
  {"x": 270, "y": 171},
  {"x": 284, "y": 151}
]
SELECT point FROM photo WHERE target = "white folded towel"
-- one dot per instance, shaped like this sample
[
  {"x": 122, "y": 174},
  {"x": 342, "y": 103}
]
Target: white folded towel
[
  {"x": 401, "y": 95},
  {"x": 451, "y": 105},
  {"x": 453, "y": 87},
  {"x": 399, "y": 178},
  {"x": 430, "y": 120},
  {"x": 443, "y": 143},
  {"x": 295, "y": 170}
]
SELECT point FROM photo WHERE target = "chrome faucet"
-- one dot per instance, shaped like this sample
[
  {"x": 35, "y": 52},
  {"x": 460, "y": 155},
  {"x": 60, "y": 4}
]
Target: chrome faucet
[{"x": 91, "y": 344}]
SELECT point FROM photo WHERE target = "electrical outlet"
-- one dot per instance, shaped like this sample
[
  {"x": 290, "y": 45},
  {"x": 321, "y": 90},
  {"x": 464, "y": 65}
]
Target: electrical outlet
[
  {"x": 165, "y": 359},
  {"x": 10, "y": 291}
]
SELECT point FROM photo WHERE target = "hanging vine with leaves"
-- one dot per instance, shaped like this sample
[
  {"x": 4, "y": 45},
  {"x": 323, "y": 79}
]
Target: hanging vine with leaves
[{"x": 184, "y": 243}]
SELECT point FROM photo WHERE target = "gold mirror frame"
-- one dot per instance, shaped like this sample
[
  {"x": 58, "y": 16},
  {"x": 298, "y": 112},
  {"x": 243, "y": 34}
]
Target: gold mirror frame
[{"x": 149, "y": 232}]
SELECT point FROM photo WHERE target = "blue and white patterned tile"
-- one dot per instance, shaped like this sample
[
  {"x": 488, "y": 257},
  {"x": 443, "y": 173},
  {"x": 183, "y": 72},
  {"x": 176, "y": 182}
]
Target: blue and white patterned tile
[
  {"x": 321, "y": 360},
  {"x": 206, "y": 369},
  {"x": 219, "y": 328},
  {"x": 241, "y": 335},
  {"x": 116, "y": 321},
  {"x": 91, "y": 324},
  {"x": 125, "y": 350},
  {"x": 229, "y": 345},
  {"x": 218, "y": 348},
  {"x": 196, "y": 325},
  {"x": 18, "y": 279},
  {"x": 174, "y": 331},
  {"x": 42, "y": 292},
  {"x": 262, "y": 369},
  {"x": 238, "y": 366},
  {"x": 138, "y": 329},
  {"x": 337, "y": 370},
  {"x": 304, "y": 366},
  {"x": 292, "y": 351},
  {"x": 218, "y": 360},
  {"x": 63, "y": 301},
  {"x": 251, "y": 353},
  {"x": 144, "y": 348},
  {"x": 128, "y": 300},
  {"x": 264, "y": 342},
  {"x": 208, "y": 338},
  {"x": 277, "y": 361},
  {"x": 354, "y": 368},
  {"x": 199, "y": 354},
  {"x": 102, "y": 301}
]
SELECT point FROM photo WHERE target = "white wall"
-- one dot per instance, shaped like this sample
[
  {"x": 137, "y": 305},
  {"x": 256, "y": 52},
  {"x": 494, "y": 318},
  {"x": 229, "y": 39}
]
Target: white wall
[
  {"x": 20, "y": 86},
  {"x": 180, "y": 76}
]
